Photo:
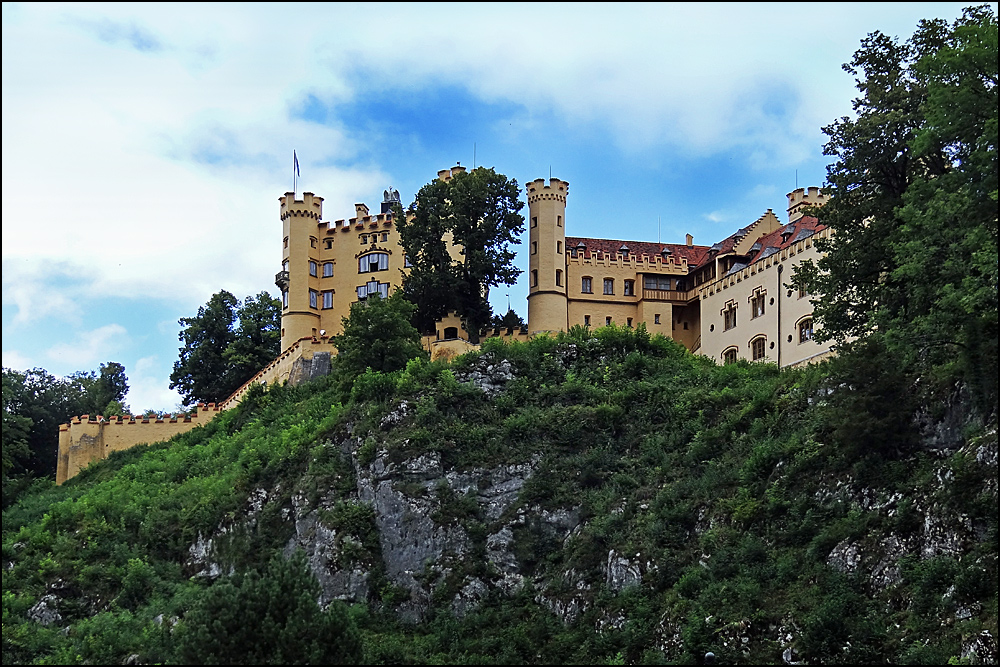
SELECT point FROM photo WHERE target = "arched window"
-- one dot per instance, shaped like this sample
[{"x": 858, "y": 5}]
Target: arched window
[
  {"x": 729, "y": 356},
  {"x": 327, "y": 269},
  {"x": 805, "y": 330},
  {"x": 758, "y": 348},
  {"x": 373, "y": 261},
  {"x": 450, "y": 333}
]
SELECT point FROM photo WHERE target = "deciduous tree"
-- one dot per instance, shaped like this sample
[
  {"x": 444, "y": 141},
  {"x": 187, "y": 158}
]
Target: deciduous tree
[
  {"x": 479, "y": 212},
  {"x": 913, "y": 256},
  {"x": 225, "y": 344}
]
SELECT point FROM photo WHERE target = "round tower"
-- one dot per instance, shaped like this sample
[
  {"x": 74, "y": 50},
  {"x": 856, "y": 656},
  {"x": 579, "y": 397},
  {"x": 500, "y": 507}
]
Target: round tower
[
  {"x": 298, "y": 279},
  {"x": 547, "y": 303}
]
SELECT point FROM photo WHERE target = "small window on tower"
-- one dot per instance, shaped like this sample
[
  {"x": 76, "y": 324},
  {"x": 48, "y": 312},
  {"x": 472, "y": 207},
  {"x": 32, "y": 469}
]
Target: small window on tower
[
  {"x": 312, "y": 268},
  {"x": 559, "y": 247},
  {"x": 558, "y": 278}
]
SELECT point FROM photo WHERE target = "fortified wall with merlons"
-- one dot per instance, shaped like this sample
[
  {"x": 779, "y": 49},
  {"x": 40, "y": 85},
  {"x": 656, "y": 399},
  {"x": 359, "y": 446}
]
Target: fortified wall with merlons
[{"x": 727, "y": 301}]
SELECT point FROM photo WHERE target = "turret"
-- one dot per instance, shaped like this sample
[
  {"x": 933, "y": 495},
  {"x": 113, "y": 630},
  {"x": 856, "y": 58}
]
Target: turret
[
  {"x": 300, "y": 246},
  {"x": 547, "y": 302},
  {"x": 803, "y": 198}
]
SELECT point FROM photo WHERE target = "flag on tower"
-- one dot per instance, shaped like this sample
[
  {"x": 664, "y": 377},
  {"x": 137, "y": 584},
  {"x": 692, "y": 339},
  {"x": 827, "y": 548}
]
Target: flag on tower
[{"x": 295, "y": 158}]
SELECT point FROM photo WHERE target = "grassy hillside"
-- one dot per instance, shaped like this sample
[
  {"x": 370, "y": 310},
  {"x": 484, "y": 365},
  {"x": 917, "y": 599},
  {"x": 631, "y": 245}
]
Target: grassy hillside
[{"x": 599, "y": 496}]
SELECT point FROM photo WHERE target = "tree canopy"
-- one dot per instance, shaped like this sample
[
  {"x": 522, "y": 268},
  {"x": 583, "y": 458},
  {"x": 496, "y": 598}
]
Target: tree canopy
[
  {"x": 377, "y": 335},
  {"x": 35, "y": 403},
  {"x": 479, "y": 212},
  {"x": 913, "y": 254},
  {"x": 225, "y": 345}
]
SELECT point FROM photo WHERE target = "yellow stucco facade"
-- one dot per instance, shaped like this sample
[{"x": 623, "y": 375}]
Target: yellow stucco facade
[{"x": 727, "y": 301}]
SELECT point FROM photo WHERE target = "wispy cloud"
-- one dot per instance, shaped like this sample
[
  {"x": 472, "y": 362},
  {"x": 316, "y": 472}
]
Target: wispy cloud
[{"x": 90, "y": 348}]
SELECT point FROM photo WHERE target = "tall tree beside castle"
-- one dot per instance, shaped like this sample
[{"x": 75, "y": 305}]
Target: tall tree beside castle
[
  {"x": 478, "y": 211},
  {"x": 225, "y": 344},
  {"x": 913, "y": 259}
]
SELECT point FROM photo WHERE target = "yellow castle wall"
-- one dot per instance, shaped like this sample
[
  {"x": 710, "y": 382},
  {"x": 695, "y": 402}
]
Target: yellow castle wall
[
  {"x": 84, "y": 440},
  {"x": 737, "y": 289}
]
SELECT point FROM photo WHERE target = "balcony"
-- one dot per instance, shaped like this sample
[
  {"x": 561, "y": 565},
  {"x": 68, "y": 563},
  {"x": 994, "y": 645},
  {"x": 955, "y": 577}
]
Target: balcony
[
  {"x": 281, "y": 280},
  {"x": 664, "y": 295}
]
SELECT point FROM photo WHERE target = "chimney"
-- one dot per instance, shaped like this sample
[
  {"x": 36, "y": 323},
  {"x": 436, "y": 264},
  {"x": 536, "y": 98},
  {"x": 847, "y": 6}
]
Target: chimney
[
  {"x": 361, "y": 211},
  {"x": 689, "y": 240}
]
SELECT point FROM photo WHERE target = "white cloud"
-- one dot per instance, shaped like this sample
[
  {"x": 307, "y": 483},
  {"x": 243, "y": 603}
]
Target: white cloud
[
  {"x": 15, "y": 360},
  {"x": 90, "y": 347},
  {"x": 148, "y": 387}
]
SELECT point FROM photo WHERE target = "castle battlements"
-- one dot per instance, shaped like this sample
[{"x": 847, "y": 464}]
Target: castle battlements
[
  {"x": 310, "y": 206},
  {"x": 556, "y": 189},
  {"x": 645, "y": 263}
]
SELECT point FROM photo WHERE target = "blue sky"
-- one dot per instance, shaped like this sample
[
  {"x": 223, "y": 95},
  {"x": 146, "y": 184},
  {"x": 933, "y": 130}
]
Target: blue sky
[{"x": 145, "y": 146}]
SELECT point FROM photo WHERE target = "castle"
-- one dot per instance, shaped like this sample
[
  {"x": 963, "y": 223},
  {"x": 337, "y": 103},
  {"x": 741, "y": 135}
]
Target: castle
[{"x": 728, "y": 301}]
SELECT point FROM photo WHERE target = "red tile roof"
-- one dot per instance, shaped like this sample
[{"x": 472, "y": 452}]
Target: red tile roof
[
  {"x": 787, "y": 235},
  {"x": 695, "y": 254}
]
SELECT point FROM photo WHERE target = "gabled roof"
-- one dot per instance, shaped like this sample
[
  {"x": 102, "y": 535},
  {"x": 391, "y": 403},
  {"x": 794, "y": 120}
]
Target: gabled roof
[{"x": 787, "y": 235}]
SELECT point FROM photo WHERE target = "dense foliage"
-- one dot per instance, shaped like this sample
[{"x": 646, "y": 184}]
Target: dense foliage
[
  {"x": 225, "y": 345},
  {"x": 721, "y": 477},
  {"x": 478, "y": 211},
  {"x": 913, "y": 257},
  {"x": 35, "y": 403}
]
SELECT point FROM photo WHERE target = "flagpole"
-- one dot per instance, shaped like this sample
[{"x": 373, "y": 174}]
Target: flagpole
[{"x": 295, "y": 165}]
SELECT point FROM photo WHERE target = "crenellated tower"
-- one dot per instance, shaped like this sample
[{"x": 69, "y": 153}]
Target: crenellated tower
[
  {"x": 298, "y": 280},
  {"x": 802, "y": 198},
  {"x": 547, "y": 302}
]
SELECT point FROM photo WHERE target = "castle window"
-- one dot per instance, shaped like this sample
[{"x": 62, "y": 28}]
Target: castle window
[
  {"x": 558, "y": 221},
  {"x": 385, "y": 237},
  {"x": 805, "y": 330},
  {"x": 375, "y": 261},
  {"x": 756, "y": 304},
  {"x": 534, "y": 247},
  {"x": 373, "y": 287},
  {"x": 609, "y": 285},
  {"x": 656, "y": 318},
  {"x": 450, "y": 333},
  {"x": 607, "y": 321},
  {"x": 327, "y": 300},
  {"x": 286, "y": 241},
  {"x": 534, "y": 221},
  {"x": 328, "y": 243},
  {"x": 656, "y": 282},
  {"x": 587, "y": 285},
  {"x": 312, "y": 241},
  {"x": 284, "y": 299},
  {"x": 729, "y": 316},
  {"x": 559, "y": 247},
  {"x": 313, "y": 298},
  {"x": 534, "y": 277},
  {"x": 586, "y": 320},
  {"x": 803, "y": 293},
  {"x": 629, "y": 288},
  {"x": 729, "y": 356},
  {"x": 312, "y": 268},
  {"x": 327, "y": 269},
  {"x": 406, "y": 261},
  {"x": 364, "y": 239},
  {"x": 628, "y": 322},
  {"x": 284, "y": 265},
  {"x": 758, "y": 348},
  {"x": 558, "y": 278}
]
